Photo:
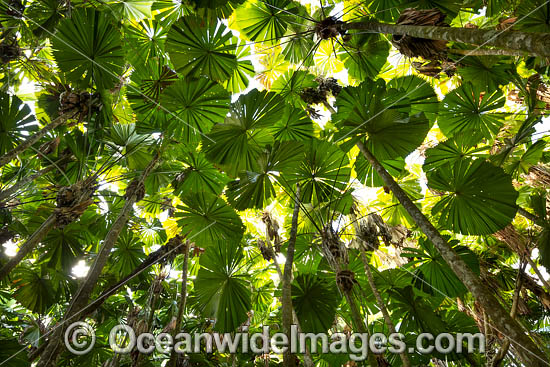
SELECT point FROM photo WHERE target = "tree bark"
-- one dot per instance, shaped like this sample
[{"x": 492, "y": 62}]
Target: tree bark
[
  {"x": 183, "y": 299},
  {"x": 29, "y": 245},
  {"x": 535, "y": 44},
  {"x": 45, "y": 227},
  {"x": 82, "y": 296},
  {"x": 486, "y": 52},
  {"x": 308, "y": 361},
  {"x": 389, "y": 323},
  {"x": 151, "y": 259},
  {"x": 527, "y": 350},
  {"x": 31, "y": 140},
  {"x": 286, "y": 300},
  {"x": 501, "y": 354}
]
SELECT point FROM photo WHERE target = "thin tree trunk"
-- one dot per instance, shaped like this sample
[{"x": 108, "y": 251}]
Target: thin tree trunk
[
  {"x": 486, "y": 52},
  {"x": 181, "y": 308},
  {"x": 45, "y": 227},
  {"x": 389, "y": 323},
  {"x": 499, "y": 357},
  {"x": 286, "y": 299},
  {"x": 381, "y": 305},
  {"x": 29, "y": 245},
  {"x": 527, "y": 350},
  {"x": 31, "y": 140},
  {"x": 537, "y": 271},
  {"x": 536, "y": 44},
  {"x": 82, "y": 296},
  {"x": 138, "y": 359},
  {"x": 151, "y": 259},
  {"x": 308, "y": 361}
]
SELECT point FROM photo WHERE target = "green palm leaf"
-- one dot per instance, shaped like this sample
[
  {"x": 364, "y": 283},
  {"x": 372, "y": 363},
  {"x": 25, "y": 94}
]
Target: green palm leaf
[
  {"x": 467, "y": 109},
  {"x": 366, "y": 55},
  {"x": 88, "y": 47},
  {"x": 34, "y": 289},
  {"x": 294, "y": 125},
  {"x": 434, "y": 273},
  {"x": 199, "y": 104},
  {"x": 198, "y": 47},
  {"x": 315, "y": 299},
  {"x": 369, "y": 177},
  {"x": 264, "y": 21},
  {"x": 323, "y": 172},
  {"x": 254, "y": 189},
  {"x": 237, "y": 143},
  {"x": 450, "y": 151},
  {"x": 16, "y": 120},
  {"x": 132, "y": 9},
  {"x": 419, "y": 93},
  {"x": 222, "y": 288},
  {"x": 207, "y": 218},
  {"x": 480, "y": 197},
  {"x": 199, "y": 175},
  {"x": 379, "y": 114},
  {"x": 244, "y": 70}
]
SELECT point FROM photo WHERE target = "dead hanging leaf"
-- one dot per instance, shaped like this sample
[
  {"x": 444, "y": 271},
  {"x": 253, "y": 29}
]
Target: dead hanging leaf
[
  {"x": 332, "y": 246},
  {"x": 421, "y": 47},
  {"x": 399, "y": 235},
  {"x": 73, "y": 201},
  {"x": 506, "y": 23},
  {"x": 516, "y": 241},
  {"x": 67, "y": 215},
  {"x": 434, "y": 68},
  {"x": 345, "y": 280},
  {"x": 79, "y": 103},
  {"x": 137, "y": 188},
  {"x": 173, "y": 247},
  {"x": 330, "y": 27},
  {"x": 272, "y": 230},
  {"x": 538, "y": 176},
  {"x": 266, "y": 252},
  {"x": 9, "y": 51}
]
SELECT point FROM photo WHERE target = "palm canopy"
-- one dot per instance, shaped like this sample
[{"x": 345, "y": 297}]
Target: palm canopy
[{"x": 205, "y": 165}]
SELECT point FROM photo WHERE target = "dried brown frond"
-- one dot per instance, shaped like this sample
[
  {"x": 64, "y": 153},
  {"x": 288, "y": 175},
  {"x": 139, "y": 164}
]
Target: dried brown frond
[
  {"x": 137, "y": 188},
  {"x": 421, "y": 47},
  {"x": 345, "y": 280}
]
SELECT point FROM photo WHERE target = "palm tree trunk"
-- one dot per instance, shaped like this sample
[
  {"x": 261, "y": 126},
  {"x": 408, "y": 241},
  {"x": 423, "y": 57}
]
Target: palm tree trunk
[
  {"x": 358, "y": 321},
  {"x": 45, "y": 228},
  {"x": 486, "y": 52},
  {"x": 82, "y": 296},
  {"x": 530, "y": 354},
  {"x": 389, "y": 323},
  {"x": 181, "y": 308},
  {"x": 536, "y": 44},
  {"x": 286, "y": 299},
  {"x": 29, "y": 245},
  {"x": 308, "y": 361},
  {"x": 151, "y": 259},
  {"x": 31, "y": 140},
  {"x": 499, "y": 357}
]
